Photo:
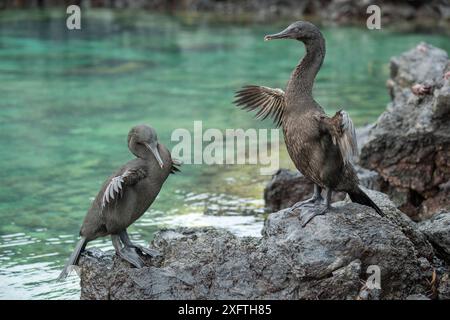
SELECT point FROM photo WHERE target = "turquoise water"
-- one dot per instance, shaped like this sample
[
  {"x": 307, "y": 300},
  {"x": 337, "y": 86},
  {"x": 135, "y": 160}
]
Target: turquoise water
[{"x": 68, "y": 99}]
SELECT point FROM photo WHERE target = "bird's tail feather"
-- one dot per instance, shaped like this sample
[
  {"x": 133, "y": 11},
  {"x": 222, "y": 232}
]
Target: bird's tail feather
[
  {"x": 73, "y": 259},
  {"x": 360, "y": 197}
]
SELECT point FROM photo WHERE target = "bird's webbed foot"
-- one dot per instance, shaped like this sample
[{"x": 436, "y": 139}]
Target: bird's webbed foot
[
  {"x": 127, "y": 253},
  {"x": 127, "y": 243},
  {"x": 315, "y": 199},
  {"x": 148, "y": 251},
  {"x": 311, "y": 201},
  {"x": 310, "y": 215},
  {"x": 130, "y": 255}
]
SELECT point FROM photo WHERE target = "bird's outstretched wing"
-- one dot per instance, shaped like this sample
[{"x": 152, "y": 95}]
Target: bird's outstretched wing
[
  {"x": 175, "y": 166},
  {"x": 342, "y": 132},
  {"x": 116, "y": 185},
  {"x": 269, "y": 102}
]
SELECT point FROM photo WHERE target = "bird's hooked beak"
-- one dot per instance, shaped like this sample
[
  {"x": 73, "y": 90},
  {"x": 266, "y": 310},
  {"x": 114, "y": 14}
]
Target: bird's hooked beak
[
  {"x": 153, "y": 147},
  {"x": 280, "y": 35}
]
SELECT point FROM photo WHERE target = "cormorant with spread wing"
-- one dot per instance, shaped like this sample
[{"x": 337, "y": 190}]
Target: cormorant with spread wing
[{"x": 321, "y": 147}]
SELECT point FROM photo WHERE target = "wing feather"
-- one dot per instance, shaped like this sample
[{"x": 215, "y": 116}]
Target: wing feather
[
  {"x": 269, "y": 102},
  {"x": 115, "y": 187},
  {"x": 342, "y": 132},
  {"x": 348, "y": 143}
]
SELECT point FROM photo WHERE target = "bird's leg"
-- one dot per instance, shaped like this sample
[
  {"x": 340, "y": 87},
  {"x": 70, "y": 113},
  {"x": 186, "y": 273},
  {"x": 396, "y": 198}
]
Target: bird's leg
[
  {"x": 127, "y": 242},
  {"x": 322, "y": 211},
  {"x": 317, "y": 197},
  {"x": 127, "y": 253}
]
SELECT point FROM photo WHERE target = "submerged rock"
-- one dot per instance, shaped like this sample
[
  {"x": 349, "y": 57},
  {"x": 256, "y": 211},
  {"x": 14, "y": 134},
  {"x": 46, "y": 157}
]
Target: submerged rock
[
  {"x": 110, "y": 67},
  {"x": 328, "y": 259},
  {"x": 409, "y": 146}
]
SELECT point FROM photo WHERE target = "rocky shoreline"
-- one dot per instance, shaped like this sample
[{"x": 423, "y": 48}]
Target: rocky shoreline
[
  {"x": 408, "y": 153},
  {"x": 328, "y": 259},
  {"x": 332, "y": 11},
  {"x": 409, "y": 146}
]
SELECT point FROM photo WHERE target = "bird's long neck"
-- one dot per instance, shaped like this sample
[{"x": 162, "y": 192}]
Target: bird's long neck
[{"x": 302, "y": 78}]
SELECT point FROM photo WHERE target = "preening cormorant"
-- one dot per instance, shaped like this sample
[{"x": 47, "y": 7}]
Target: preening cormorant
[{"x": 125, "y": 196}]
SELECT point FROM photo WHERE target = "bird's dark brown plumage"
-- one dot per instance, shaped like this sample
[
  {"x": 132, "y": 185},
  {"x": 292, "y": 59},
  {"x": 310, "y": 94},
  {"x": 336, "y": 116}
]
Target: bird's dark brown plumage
[{"x": 321, "y": 147}]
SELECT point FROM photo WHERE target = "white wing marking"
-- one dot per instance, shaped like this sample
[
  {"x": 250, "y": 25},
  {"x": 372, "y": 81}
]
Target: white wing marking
[{"x": 113, "y": 188}]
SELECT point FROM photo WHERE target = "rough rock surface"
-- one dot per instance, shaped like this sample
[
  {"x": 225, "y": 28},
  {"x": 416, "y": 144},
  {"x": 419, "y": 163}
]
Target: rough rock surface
[
  {"x": 328, "y": 259},
  {"x": 437, "y": 230},
  {"x": 338, "y": 11},
  {"x": 410, "y": 144},
  {"x": 417, "y": 297},
  {"x": 392, "y": 11},
  {"x": 444, "y": 287}
]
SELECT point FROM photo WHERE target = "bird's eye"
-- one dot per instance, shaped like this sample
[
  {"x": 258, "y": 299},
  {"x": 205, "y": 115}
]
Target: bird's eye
[{"x": 296, "y": 30}]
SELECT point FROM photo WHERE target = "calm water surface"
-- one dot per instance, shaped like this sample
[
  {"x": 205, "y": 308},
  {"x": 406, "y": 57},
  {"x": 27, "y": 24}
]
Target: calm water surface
[{"x": 68, "y": 100}]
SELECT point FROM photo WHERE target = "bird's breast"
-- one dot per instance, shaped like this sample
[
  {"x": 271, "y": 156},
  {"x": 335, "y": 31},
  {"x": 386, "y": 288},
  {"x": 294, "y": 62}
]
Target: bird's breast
[{"x": 304, "y": 147}]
